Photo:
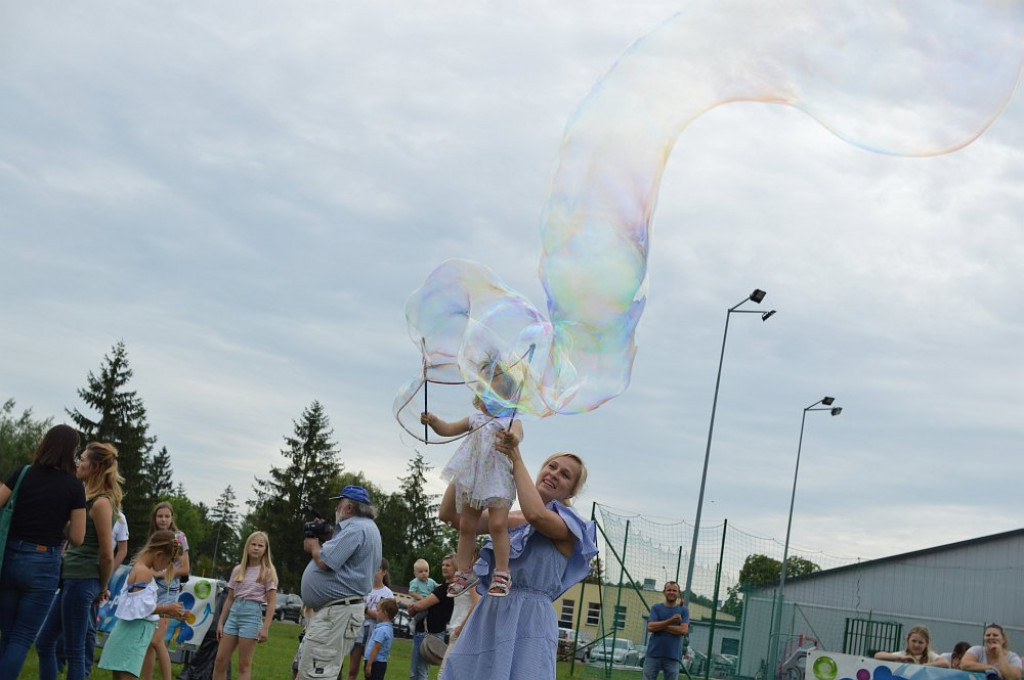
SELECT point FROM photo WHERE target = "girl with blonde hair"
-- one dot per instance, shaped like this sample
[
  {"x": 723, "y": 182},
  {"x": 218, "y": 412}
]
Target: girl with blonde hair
[
  {"x": 138, "y": 608},
  {"x": 243, "y": 623},
  {"x": 918, "y": 648},
  {"x": 87, "y": 567}
]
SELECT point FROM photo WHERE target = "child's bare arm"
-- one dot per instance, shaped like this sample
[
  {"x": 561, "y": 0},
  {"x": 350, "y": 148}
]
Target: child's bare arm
[{"x": 444, "y": 428}]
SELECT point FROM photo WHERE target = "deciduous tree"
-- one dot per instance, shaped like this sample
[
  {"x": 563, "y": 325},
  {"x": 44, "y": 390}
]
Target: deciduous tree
[{"x": 19, "y": 436}]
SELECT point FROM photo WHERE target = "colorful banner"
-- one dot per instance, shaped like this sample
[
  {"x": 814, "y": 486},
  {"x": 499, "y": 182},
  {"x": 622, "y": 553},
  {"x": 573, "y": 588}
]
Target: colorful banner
[
  {"x": 198, "y": 596},
  {"x": 822, "y": 665}
]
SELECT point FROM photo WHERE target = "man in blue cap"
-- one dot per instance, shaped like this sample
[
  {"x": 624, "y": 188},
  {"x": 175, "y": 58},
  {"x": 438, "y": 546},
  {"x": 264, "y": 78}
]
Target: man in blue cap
[{"x": 335, "y": 582}]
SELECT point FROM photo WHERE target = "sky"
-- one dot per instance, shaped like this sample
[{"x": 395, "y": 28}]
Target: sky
[{"x": 247, "y": 193}]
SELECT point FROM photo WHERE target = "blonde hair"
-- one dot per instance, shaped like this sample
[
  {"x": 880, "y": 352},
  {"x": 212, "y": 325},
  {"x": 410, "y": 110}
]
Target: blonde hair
[
  {"x": 268, "y": 574},
  {"x": 161, "y": 542},
  {"x": 923, "y": 632},
  {"x": 105, "y": 480},
  {"x": 580, "y": 481}
]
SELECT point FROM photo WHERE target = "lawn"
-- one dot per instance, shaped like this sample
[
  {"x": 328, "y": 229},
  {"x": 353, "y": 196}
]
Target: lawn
[{"x": 274, "y": 660}]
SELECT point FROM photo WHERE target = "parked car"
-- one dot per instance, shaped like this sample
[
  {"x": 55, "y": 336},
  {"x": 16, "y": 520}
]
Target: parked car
[
  {"x": 403, "y": 624},
  {"x": 288, "y": 607},
  {"x": 569, "y": 644},
  {"x": 618, "y": 652},
  {"x": 694, "y": 662},
  {"x": 723, "y": 665}
]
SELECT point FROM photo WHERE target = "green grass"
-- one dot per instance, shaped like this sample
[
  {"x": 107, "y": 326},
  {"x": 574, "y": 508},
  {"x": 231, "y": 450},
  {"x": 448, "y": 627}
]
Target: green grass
[{"x": 273, "y": 660}]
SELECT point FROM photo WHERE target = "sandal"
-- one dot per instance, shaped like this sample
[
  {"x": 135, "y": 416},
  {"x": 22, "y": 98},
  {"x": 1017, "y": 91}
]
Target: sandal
[
  {"x": 463, "y": 581},
  {"x": 501, "y": 583}
]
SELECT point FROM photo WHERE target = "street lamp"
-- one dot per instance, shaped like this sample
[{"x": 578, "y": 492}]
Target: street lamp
[
  {"x": 756, "y": 298},
  {"x": 826, "y": 402}
]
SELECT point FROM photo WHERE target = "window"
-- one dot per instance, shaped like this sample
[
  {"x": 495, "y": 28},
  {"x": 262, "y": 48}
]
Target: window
[
  {"x": 620, "y": 618},
  {"x": 568, "y": 609},
  {"x": 593, "y": 613}
]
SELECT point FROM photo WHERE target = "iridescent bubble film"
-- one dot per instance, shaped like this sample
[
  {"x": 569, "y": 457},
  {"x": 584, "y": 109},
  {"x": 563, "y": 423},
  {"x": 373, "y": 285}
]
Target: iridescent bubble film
[{"x": 902, "y": 77}]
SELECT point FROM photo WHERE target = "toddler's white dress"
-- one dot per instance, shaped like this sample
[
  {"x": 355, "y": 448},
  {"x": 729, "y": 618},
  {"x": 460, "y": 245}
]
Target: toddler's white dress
[{"x": 482, "y": 475}]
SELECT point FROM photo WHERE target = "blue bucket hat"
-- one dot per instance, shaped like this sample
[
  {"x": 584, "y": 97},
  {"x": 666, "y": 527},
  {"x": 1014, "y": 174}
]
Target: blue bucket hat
[{"x": 354, "y": 493}]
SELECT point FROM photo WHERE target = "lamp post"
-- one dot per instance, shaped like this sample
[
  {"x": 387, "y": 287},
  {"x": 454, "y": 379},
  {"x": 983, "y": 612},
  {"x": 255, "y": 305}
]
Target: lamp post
[
  {"x": 780, "y": 596},
  {"x": 756, "y": 298}
]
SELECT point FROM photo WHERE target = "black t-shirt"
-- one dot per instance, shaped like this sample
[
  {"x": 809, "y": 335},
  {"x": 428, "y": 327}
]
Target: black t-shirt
[
  {"x": 45, "y": 500},
  {"x": 440, "y": 614}
]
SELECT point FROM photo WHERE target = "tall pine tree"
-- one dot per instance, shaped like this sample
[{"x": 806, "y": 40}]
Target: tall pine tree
[
  {"x": 121, "y": 420},
  {"x": 308, "y": 478},
  {"x": 425, "y": 536},
  {"x": 159, "y": 475},
  {"x": 225, "y": 530}
]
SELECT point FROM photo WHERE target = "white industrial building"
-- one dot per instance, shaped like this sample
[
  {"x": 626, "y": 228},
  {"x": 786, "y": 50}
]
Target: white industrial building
[{"x": 953, "y": 589}]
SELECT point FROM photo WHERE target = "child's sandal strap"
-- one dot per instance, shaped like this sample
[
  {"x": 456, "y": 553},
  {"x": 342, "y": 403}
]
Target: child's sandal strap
[
  {"x": 463, "y": 581},
  {"x": 501, "y": 583}
]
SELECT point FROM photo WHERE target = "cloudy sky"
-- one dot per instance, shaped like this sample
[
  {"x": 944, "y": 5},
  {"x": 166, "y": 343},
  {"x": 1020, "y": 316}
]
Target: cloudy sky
[{"x": 247, "y": 193}]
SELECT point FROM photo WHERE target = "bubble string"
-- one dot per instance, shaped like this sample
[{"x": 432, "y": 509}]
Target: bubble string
[{"x": 907, "y": 77}]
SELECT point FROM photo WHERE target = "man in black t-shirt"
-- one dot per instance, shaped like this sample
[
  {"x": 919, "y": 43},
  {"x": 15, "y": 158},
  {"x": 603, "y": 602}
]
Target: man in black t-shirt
[{"x": 438, "y": 607}]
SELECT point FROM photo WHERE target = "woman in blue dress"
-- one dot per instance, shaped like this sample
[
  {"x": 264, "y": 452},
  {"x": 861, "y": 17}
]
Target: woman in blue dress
[{"x": 516, "y": 637}]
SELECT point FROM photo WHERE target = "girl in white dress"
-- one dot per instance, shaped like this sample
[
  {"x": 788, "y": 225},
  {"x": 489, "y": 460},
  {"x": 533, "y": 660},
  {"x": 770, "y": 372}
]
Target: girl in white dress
[
  {"x": 483, "y": 481},
  {"x": 137, "y": 610}
]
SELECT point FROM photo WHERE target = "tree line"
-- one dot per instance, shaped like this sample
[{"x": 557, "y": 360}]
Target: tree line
[{"x": 310, "y": 472}]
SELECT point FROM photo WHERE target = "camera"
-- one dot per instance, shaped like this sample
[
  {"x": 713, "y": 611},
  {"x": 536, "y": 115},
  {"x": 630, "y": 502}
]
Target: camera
[{"x": 318, "y": 528}]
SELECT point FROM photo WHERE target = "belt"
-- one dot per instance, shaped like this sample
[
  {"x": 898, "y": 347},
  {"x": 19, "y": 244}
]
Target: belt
[{"x": 355, "y": 599}]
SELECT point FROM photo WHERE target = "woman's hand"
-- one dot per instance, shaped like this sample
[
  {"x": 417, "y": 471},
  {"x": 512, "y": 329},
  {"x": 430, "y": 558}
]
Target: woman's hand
[
  {"x": 220, "y": 631},
  {"x": 508, "y": 444},
  {"x": 264, "y": 633}
]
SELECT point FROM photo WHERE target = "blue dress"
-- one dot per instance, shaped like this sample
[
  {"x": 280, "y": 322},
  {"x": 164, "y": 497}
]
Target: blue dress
[{"x": 516, "y": 637}]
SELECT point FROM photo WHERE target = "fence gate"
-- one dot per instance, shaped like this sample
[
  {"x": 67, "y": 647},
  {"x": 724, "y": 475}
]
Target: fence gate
[{"x": 864, "y": 637}]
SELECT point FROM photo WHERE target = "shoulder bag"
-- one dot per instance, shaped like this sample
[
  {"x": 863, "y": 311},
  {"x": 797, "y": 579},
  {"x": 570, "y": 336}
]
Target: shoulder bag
[{"x": 7, "y": 514}]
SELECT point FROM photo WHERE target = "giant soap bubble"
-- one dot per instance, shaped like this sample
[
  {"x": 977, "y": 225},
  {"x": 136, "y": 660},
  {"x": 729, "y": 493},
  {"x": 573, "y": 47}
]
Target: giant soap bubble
[{"x": 903, "y": 77}]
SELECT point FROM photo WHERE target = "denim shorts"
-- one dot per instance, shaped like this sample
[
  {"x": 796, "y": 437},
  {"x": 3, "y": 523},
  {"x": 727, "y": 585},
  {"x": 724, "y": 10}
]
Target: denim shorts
[{"x": 245, "y": 619}]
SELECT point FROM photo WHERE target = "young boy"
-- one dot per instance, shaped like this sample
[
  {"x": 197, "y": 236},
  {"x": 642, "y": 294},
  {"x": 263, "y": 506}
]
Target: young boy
[
  {"x": 378, "y": 649},
  {"x": 422, "y": 585}
]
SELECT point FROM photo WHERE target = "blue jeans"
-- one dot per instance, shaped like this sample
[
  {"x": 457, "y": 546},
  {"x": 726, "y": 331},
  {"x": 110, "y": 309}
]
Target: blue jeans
[
  {"x": 90, "y": 640},
  {"x": 27, "y": 585},
  {"x": 418, "y": 668},
  {"x": 69, "y": 615},
  {"x": 654, "y": 664}
]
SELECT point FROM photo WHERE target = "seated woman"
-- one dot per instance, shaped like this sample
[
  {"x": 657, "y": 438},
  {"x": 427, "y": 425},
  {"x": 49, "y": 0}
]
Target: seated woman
[
  {"x": 918, "y": 648},
  {"x": 516, "y": 637},
  {"x": 994, "y": 655},
  {"x": 952, "y": 659}
]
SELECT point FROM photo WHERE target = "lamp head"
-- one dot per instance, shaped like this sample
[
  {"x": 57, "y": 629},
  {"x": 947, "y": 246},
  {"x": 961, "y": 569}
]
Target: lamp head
[
  {"x": 767, "y": 315},
  {"x": 757, "y": 295},
  {"x": 827, "y": 401},
  {"x": 837, "y": 410}
]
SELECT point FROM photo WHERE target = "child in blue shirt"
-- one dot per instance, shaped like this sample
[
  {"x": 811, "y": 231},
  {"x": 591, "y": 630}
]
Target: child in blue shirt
[{"x": 378, "y": 649}]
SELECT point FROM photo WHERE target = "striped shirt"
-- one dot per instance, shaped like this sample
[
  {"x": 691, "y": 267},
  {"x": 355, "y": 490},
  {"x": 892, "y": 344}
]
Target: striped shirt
[{"x": 250, "y": 588}]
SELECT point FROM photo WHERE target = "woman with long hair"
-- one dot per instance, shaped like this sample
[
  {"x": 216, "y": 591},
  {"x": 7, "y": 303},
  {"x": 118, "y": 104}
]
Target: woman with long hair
[
  {"x": 49, "y": 499},
  {"x": 87, "y": 567}
]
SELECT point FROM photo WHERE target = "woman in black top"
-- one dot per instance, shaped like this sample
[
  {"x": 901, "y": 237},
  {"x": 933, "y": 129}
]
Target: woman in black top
[{"x": 50, "y": 499}]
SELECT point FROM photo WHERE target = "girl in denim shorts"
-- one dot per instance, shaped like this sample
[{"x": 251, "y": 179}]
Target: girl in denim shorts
[{"x": 243, "y": 622}]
